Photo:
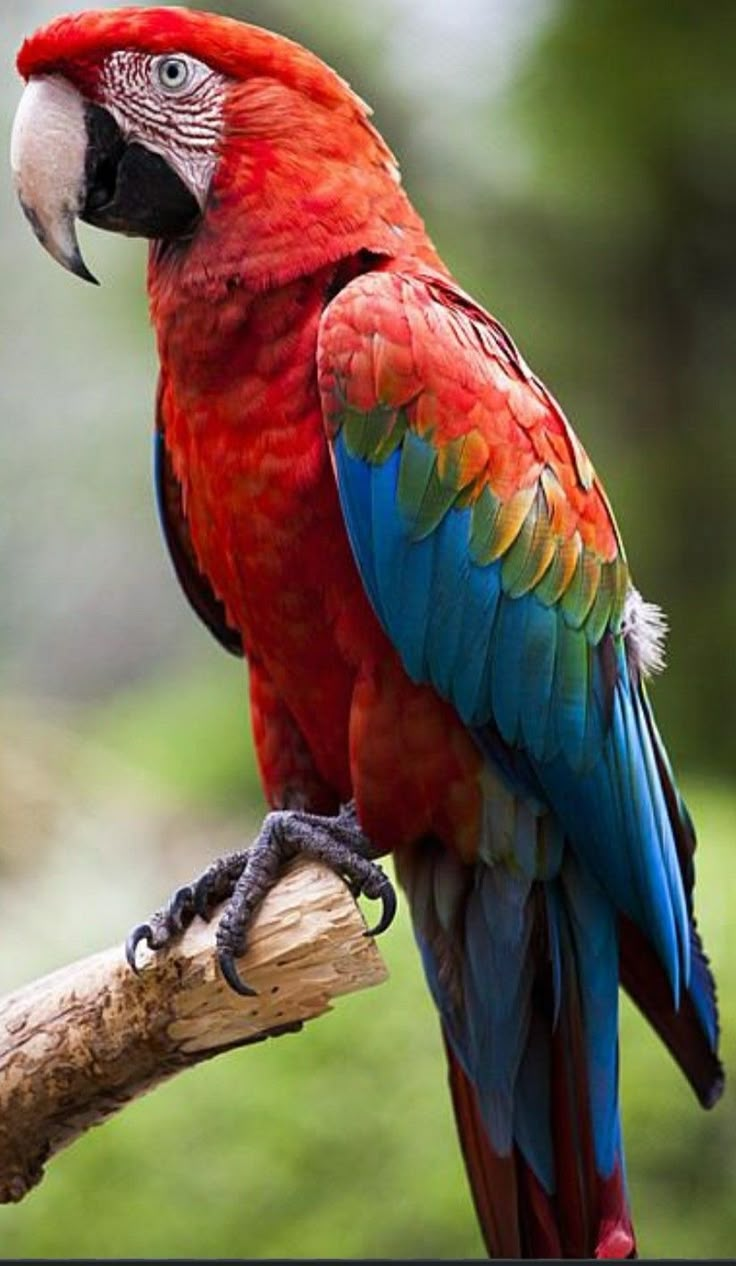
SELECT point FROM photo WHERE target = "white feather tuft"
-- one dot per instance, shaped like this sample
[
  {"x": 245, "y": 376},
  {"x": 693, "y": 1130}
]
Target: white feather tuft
[{"x": 645, "y": 630}]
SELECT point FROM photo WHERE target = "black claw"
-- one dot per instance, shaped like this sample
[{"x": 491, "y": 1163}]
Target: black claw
[
  {"x": 388, "y": 911},
  {"x": 227, "y": 966},
  {"x": 202, "y": 902},
  {"x": 181, "y": 898},
  {"x": 143, "y": 932},
  {"x": 181, "y": 904}
]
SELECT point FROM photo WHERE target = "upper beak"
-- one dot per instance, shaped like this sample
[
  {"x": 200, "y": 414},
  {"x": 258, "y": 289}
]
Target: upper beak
[{"x": 48, "y": 151}]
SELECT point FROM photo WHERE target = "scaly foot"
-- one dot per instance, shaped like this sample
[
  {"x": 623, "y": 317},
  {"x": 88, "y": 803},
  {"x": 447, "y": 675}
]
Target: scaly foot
[{"x": 243, "y": 879}]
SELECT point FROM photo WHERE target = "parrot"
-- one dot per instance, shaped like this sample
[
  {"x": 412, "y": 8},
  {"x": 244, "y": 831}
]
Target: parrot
[{"x": 370, "y": 498}]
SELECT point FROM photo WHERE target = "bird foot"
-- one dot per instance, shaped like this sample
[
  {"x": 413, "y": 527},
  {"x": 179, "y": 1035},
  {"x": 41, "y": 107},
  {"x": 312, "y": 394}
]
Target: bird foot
[{"x": 242, "y": 879}]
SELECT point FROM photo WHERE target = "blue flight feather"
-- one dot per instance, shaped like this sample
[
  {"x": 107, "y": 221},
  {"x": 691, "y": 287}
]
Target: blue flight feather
[
  {"x": 354, "y": 487},
  {"x": 447, "y": 614},
  {"x": 482, "y": 598},
  {"x": 570, "y": 700},
  {"x": 507, "y": 654},
  {"x": 537, "y": 676},
  {"x": 388, "y": 540},
  {"x": 641, "y": 837}
]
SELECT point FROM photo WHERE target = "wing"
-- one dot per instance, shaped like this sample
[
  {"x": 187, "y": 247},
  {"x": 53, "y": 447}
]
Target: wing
[
  {"x": 490, "y": 554},
  {"x": 484, "y": 539},
  {"x": 196, "y": 586}
]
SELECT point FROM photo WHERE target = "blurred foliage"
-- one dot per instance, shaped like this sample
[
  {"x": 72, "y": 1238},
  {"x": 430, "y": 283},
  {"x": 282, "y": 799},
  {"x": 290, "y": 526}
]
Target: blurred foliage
[
  {"x": 630, "y": 115},
  {"x": 193, "y": 734},
  {"x": 576, "y": 164}
]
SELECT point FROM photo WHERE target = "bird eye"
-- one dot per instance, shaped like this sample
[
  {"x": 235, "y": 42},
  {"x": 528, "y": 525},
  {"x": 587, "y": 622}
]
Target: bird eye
[{"x": 173, "y": 73}]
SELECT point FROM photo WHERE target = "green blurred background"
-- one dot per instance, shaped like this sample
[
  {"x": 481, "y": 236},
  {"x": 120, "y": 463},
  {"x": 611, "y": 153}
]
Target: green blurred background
[{"x": 576, "y": 164}]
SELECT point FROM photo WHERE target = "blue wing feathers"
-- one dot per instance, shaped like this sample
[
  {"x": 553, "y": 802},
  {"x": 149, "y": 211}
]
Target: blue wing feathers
[
  {"x": 538, "y": 668},
  {"x": 645, "y": 853},
  {"x": 447, "y": 615},
  {"x": 411, "y": 616},
  {"x": 523, "y": 667},
  {"x": 470, "y": 685},
  {"x": 506, "y": 659},
  {"x": 664, "y": 841},
  {"x": 526, "y": 828},
  {"x": 354, "y": 484},
  {"x": 388, "y": 541},
  {"x": 569, "y": 706},
  {"x": 598, "y": 711}
]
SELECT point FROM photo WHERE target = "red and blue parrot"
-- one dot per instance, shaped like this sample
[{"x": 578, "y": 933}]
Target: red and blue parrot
[{"x": 367, "y": 493}]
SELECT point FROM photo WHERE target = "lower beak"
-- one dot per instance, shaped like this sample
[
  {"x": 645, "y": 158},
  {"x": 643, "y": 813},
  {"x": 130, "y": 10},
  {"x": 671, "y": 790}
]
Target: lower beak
[{"x": 71, "y": 161}]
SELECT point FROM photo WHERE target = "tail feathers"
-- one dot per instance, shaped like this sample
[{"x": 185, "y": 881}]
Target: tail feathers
[
  {"x": 517, "y": 1217},
  {"x": 591, "y": 1202},
  {"x": 684, "y": 1031},
  {"x": 492, "y": 1177},
  {"x": 577, "y": 1182},
  {"x": 552, "y": 1185},
  {"x": 537, "y": 1215}
]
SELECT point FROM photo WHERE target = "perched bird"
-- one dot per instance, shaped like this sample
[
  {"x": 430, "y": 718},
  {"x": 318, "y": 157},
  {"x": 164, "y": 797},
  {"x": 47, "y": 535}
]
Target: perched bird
[{"x": 368, "y": 494}]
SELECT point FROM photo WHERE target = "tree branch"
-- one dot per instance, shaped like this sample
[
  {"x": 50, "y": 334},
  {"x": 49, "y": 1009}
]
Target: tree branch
[{"x": 77, "y": 1045}]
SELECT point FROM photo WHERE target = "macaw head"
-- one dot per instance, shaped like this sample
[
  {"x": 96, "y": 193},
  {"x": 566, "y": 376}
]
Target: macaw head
[{"x": 164, "y": 123}]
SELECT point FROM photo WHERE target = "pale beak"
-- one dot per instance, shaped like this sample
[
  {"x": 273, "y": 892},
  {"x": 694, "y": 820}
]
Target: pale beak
[
  {"x": 71, "y": 161},
  {"x": 48, "y": 154}
]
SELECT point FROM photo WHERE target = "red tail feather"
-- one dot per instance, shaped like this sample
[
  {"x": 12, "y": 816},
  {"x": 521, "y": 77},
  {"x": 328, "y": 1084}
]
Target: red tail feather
[
  {"x": 587, "y": 1216},
  {"x": 492, "y": 1177}
]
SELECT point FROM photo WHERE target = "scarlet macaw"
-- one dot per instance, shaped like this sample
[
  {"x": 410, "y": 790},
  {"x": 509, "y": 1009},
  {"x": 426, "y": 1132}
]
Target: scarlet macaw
[{"x": 367, "y": 492}]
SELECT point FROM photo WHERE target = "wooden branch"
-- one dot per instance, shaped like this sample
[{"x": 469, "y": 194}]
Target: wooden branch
[{"x": 77, "y": 1045}]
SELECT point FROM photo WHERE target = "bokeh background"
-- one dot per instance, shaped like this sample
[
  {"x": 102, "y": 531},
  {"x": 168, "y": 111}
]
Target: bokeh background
[{"x": 576, "y": 164}]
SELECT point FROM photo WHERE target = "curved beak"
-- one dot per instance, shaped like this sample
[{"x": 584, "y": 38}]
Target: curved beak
[
  {"x": 71, "y": 161},
  {"x": 48, "y": 151}
]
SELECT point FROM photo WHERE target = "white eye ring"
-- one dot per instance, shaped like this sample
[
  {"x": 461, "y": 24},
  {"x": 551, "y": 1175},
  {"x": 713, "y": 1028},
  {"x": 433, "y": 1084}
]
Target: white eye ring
[{"x": 173, "y": 73}]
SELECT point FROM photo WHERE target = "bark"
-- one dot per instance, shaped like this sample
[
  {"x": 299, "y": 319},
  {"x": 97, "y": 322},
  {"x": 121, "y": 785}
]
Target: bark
[{"x": 77, "y": 1045}]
